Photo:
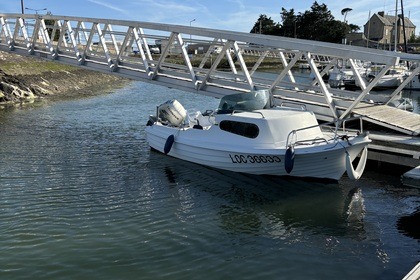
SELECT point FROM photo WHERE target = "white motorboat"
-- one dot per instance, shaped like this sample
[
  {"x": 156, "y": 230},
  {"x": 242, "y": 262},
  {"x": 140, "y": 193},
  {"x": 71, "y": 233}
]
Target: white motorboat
[
  {"x": 392, "y": 78},
  {"x": 402, "y": 103},
  {"x": 247, "y": 134},
  {"x": 414, "y": 84},
  {"x": 342, "y": 74},
  {"x": 339, "y": 77}
]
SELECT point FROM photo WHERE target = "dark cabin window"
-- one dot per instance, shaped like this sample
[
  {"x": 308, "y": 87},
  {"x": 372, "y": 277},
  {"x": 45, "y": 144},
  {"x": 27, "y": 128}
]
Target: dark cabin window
[{"x": 248, "y": 130}]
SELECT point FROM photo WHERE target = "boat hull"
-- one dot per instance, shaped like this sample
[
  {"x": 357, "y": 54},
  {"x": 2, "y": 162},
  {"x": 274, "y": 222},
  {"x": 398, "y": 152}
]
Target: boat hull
[{"x": 326, "y": 161}]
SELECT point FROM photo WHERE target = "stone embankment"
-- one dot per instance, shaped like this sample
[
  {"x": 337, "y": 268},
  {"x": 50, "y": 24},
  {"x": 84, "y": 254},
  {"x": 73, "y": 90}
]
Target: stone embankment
[{"x": 25, "y": 79}]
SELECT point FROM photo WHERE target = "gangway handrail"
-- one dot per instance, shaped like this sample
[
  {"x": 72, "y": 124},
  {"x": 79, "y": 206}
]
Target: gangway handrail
[
  {"x": 106, "y": 45},
  {"x": 344, "y": 51}
]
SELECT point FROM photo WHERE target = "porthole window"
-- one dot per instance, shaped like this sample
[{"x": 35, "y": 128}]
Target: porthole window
[{"x": 248, "y": 130}]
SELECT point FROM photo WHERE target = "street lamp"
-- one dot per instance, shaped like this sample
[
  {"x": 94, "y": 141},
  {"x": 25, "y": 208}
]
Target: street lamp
[
  {"x": 190, "y": 31},
  {"x": 191, "y": 21},
  {"x": 36, "y": 10}
]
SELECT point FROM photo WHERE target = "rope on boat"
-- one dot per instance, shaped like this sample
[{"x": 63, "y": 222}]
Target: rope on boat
[{"x": 356, "y": 174}]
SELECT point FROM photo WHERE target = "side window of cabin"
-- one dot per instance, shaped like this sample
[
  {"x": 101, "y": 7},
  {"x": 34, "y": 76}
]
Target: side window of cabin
[{"x": 248, "y": 130}]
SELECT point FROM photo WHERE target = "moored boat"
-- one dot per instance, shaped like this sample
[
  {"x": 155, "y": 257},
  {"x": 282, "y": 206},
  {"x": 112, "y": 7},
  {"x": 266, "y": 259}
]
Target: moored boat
[
  {"x": 247, "y": 134},
  {"x": 391, "y": 79},
  {"x": 414, "y": 84},
  {"x": 402, "y": 103}
]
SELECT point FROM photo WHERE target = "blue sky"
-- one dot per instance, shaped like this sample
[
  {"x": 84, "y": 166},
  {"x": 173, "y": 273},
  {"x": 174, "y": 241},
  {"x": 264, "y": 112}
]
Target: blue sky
[{"x": 237, "y": 15}]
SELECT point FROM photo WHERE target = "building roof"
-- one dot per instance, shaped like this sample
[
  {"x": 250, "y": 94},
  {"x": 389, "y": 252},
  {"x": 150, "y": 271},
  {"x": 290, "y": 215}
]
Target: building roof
[{"x": 389, "y": 20}]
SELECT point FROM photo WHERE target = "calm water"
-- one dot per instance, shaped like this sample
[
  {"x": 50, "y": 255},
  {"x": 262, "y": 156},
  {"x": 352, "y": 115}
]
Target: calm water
[{"x": 83, "y": 197}]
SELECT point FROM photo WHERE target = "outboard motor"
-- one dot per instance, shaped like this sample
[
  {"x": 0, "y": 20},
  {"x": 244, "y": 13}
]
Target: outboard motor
[{"x": 172, "y": 112}]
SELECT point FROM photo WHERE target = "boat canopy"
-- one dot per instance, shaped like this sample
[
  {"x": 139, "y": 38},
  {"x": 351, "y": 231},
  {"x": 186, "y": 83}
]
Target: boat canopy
[{"x": 249, "y": 101}]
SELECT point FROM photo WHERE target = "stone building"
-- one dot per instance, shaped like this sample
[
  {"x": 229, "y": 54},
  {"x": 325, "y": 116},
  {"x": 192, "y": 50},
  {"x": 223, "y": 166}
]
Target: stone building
[{"x": 380, "y": 29}]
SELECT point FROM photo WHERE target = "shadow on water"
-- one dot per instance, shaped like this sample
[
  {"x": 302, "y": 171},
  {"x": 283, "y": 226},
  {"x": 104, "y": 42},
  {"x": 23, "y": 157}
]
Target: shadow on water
[
  {"x": 263, "y": 205},
  {"x": 409, "y": 225}
]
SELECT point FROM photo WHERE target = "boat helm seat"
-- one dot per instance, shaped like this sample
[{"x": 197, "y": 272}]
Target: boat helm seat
[{"x": 199, "y": 121}]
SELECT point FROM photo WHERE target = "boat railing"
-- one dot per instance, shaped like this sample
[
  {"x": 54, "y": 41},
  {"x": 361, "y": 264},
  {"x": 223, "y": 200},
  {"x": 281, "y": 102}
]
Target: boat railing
[
  {"x": 302, "y": 106},
  {"x": 242, "y": 111},
  {"x": 352, "y": 119},
  {"x": 311, "y": 141},
  {"x": 333, "y": 126}
]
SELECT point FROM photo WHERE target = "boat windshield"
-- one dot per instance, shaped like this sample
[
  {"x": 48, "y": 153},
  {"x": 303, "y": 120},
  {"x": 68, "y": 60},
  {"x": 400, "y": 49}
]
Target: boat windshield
[{"x": 249, "y": 101}]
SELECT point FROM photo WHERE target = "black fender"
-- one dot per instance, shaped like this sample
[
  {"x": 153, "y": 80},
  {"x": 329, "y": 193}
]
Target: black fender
[
  {"x": 289, "y": 159},
  {"x": 168, "y": 144}
]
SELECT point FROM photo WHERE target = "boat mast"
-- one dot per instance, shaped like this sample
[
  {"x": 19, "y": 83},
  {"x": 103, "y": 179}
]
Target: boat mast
[
  {"x": 368, "y": 35},
  {"x": 396, "y": 26},
  {"x": 403, "y": 23},
  {"x": 405, "y": 38}
]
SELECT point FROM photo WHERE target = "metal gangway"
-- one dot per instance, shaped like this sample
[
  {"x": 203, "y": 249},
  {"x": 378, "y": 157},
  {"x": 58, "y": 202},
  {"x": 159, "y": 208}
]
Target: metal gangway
[{"x": 212, "y": 62}]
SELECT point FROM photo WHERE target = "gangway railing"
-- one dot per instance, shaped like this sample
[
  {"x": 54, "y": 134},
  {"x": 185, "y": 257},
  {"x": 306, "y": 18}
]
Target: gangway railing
[{"x": 201, "y": 60}]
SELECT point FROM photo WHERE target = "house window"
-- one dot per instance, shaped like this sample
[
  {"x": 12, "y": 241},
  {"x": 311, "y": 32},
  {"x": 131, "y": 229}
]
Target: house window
[{"x": 248, "y": 130}]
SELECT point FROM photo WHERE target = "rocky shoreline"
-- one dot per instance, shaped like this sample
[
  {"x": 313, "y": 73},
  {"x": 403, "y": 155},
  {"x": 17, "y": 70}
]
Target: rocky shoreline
[{"x": 25, "y": 79}]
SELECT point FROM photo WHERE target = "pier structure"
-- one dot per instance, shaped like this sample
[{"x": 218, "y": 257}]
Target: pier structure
[{"x": 124, "y": 48}]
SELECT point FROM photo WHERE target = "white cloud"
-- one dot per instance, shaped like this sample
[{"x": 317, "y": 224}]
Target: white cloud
[
  {"x": 109, "y": 6},
  {"x": 166, "y": 6}
]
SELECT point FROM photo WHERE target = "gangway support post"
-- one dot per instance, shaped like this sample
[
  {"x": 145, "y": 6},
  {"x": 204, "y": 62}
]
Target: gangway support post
[{"x": 324, "y": 89}]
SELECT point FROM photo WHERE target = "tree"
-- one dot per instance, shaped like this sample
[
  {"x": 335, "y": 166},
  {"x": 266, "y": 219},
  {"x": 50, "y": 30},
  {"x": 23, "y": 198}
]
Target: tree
[
  {"x": 265, "y": 25},
  {"x": 315, "y": 24},
  {"x": 344, "y": 12},
  {"x": 414, "y": 39},
  {"x": 353, "y": 27},
  {"x": 50, "y": 25},
  {"x": 289, "y": 19}
]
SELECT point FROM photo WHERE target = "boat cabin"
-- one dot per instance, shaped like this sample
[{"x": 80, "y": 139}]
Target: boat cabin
[{"x": 252, "y": 116}]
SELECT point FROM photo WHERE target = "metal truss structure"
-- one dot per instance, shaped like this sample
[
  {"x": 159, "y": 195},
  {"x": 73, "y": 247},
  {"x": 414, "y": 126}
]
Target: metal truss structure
[{"x": 200, "y": 60}]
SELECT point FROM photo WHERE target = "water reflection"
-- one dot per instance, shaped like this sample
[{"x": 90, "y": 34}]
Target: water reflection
[
  {"x": 409, "y": 225},
  {"x": 261, "y": 205}
]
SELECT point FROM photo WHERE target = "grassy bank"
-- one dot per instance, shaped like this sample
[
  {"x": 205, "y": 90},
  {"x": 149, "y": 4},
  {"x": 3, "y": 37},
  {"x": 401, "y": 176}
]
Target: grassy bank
[
  {"x": 269, "y": 64},
  {"x": 27, "y": 78},
  {"x": 28, "y": 66}
]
